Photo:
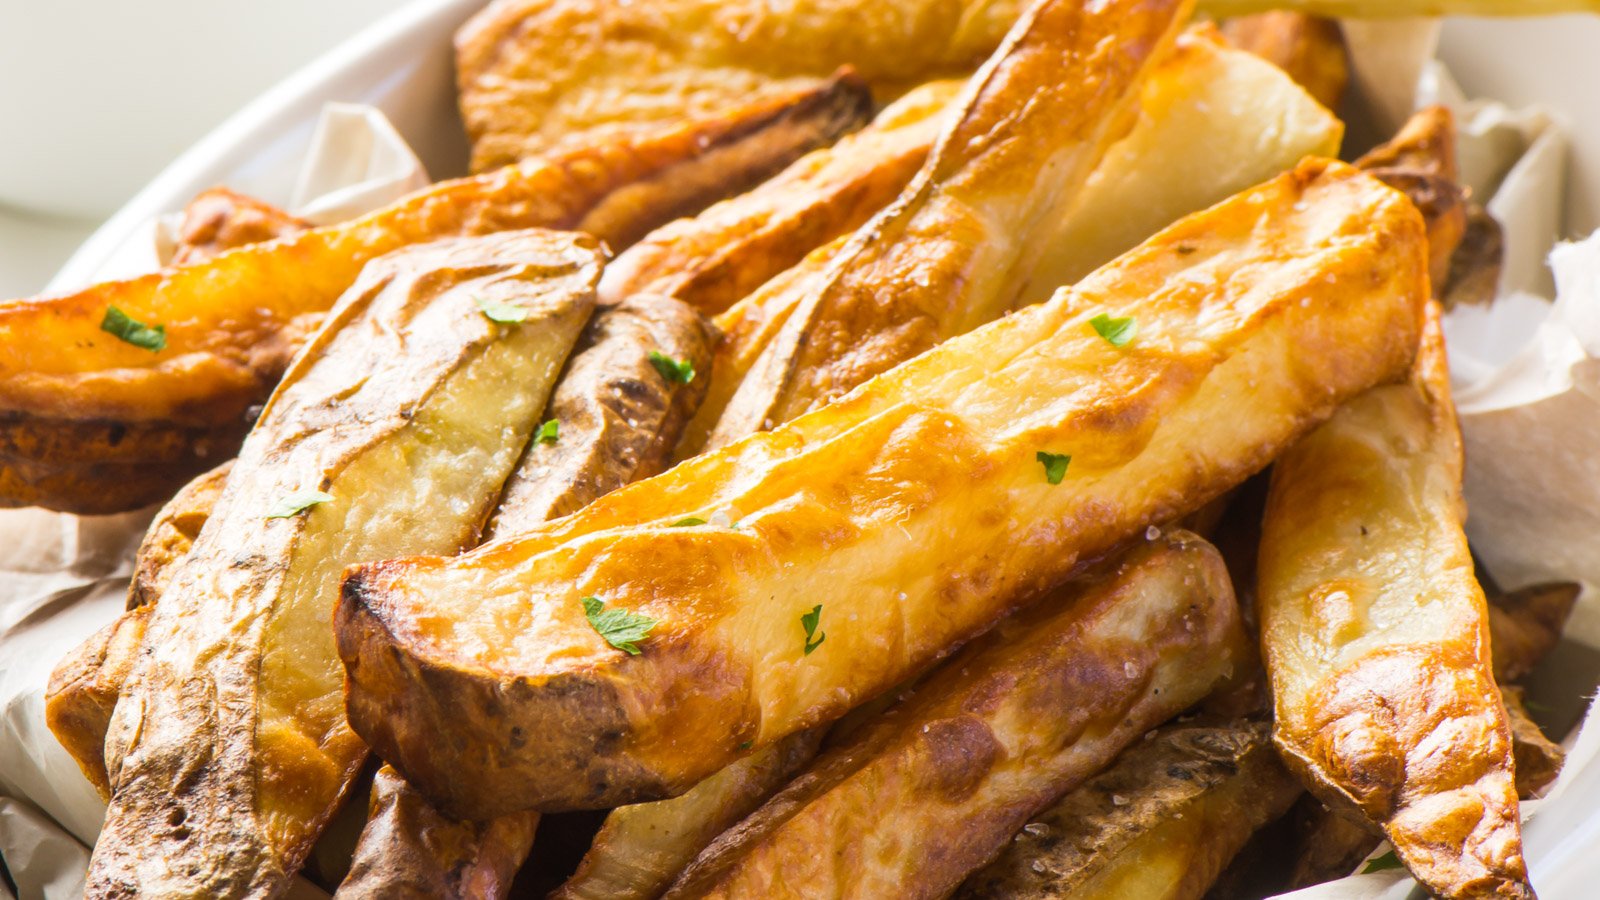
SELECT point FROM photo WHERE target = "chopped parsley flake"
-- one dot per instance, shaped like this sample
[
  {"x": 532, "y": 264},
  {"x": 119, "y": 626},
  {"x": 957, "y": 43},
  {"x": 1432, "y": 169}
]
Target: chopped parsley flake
[
  {"x": 547, "y": 432},
  {"x": 504, "y": 313},
  {"x": 687, "y": 522},
  {"x": 809, "y": 622},
  {"x": 132, "y": 331},
  {"x": 1381, "y": 863},
  {"x": 295, "y": 504},
  {"x": 1117, "y": 332},
  {"x": 620, "y": 628},
  {"x": 678, "y": 370},
  {"x": 1055, "y": 465}
]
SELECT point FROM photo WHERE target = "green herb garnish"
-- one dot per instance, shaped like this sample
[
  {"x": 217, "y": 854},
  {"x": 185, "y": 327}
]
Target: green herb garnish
[
  {"x": 295, "y": 504},
  {"x": 1055, "y": 465},
  {"x": 504, "y": 313},
  {"x": 1381, "y": 863},
  {"x": 620, "y": 628},
  {"x": 746, "y": 745},
  {"x": 679, "y": 370},
  {"x": 809, "y": 622},
  {"x": 547, "y": 432},
  {"x": 1117, "y": 332},
  {"x": 688, "y": 522},
  {"x": 126, "y": 328}
]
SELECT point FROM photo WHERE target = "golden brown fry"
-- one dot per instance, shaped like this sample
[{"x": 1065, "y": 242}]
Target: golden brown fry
[
  {"x": 228, "y": 750},
  {"x": 641, "y": 848},
  {"x": 1538, "y": 759},
  {"x": 617, "y": 414},
  {"x": 1329, "y": 843},
  {"x": 409, "y": 852},
  {"x": 172, "y": 534},
  {"x": 1160, "y": 824},
  {"x": 1309, "y": 48},
  {"x": 1525, "y": 625},
  {"x": 219, "y": 220},
  {"x": 955, "y": 250},
  {"x": 937, "y": 787},
  {"x": 89, "y": 423},
  {"x": 918, "y": 509},
  {"x": 1376, "y": 636},
  {"x": 1196, "y": 143},
  {"x": 1420, "y": 161},
  {"x": 729, "y": 250}
]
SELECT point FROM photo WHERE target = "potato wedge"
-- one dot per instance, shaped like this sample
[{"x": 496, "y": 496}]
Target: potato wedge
[
  {"x": 642, "y": 848},
  {"x": 219, "y": 220},
  {"x": 1420, "y": 161},
  {"x": 617, "y": 413},
  {"x": 1475, "y": 269},
  {"x": 732, "y": 248},
  {"x": 1375, "y": 634},
  {"x": 228, "y": 750},
  {"x": 1197, "y": 142},
  {"x": 1310, "y": 49},
  {"x": 938, "y": 786},
  {"x": 1160, "y": 824},
  {"x": 1525, "y": 625},
  {"x": 917, "y": 509},
  {"x": 953, "y": 252},
  {"x": 172, "y": 534},
  {"x": 91, "y": 423},
  {"x": 618, "y": 416}
]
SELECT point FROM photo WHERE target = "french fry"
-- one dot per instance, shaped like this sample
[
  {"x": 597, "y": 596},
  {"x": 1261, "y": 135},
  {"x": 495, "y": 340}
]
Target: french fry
[
  {"x": 93, "y": 423},
  {"x": 228, "y": 750},
  {"x": 1375, "y": 634},
  {"x": 642, "y": 848},
  {"x": 954, "y": 251},
  {"x": 1420, "y": 161},
  {"x": 218, "y": 220},
  {"x": 1525, "y": 625},
  {"x": 1160, "y": 824},
  {"x": 732, "y": 248},
  {"x": 916, "y": 509},
  {"x": 937, "y": 787},
  {"x": 1310, "y": 49}
]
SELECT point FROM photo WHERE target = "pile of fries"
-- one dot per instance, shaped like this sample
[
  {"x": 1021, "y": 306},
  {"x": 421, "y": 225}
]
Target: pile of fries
[{"x": 808, "y": 439}]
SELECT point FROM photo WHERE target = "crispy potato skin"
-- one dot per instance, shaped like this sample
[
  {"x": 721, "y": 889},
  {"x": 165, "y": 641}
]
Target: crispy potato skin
[
  {"x": 1538, "y": 759},
  {"x": 1309, "y": 48},
  {"x": 91, "y": 424},
  {"x": 642, "y": 848},
  {"x": 732, "y": 248},
  {"x": 646, "y": 67},
  {"x": 228, "y": 750},
  {"x": 1196, "y": 142},
  {"x": 618, "y": 416},
  {"x": 936, "y": 788},
  {"x": 1375, "y": 634},
  {"x": 1420, "y": 162},
  {"x": 219, "y": 220},
  {"x": 1479, "y": 259},
  {"x": 954, "y": 251},
  {"x": 84, "y": 686},
  {"x": 1525, "y": 625},
  {"x": 1160, "y": 824},
  {"x": 916, "y": 508},
  {"x": 409, "y": 851}
]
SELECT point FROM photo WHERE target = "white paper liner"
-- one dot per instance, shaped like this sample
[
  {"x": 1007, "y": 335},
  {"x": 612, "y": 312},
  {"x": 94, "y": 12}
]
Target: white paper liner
[
  {"x": 1527, "y": 379},
  {"x": 63, "y": 577}
]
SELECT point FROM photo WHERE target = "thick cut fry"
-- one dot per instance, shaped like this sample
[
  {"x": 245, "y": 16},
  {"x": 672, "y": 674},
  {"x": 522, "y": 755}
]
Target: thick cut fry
[
  {"x": 1420, "y": 161},
  {"x": 1376, "y": 637},
  {"x": 933, "y": 791},
  {"x": 172, "y": 534},
  {"x": 729, "y": 250},
  {"x": 1310, "y": 49},
  {"x": 917, "y": 511},
  {"x": 617, "y": 414},
  {"x": 1329, "y": 843},
  {"x": 91, "y": 423},
  {"x": 1525, "y": 625},
  {"x": 1158, "y": 825},
  {"x": 219, "y": 220},
  {"x": 954, "y": 251},
  {"x": 642, "y": 848},
  {"x": 394, "y": 430},
  {"x": 1538, "y": 759},
  {"x": 617, "y": 417},
  {"x": 1198, "y": 141},
  {"x": 408, "y": 851}
]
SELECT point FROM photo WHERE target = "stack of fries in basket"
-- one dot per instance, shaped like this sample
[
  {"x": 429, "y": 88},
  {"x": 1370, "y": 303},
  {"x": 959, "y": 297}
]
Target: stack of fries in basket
[{"x": 808, "y": 436}]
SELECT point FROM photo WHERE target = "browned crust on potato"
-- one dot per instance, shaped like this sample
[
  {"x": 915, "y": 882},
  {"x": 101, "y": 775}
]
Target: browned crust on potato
[
  {"x": 218, "y": 220},
  {"x": 1526, "y": 625},
  {"x": 1538, "y": 759},
  {"x": 1161, "y": 822},
  {"x": 1475, "y": 269},
  {"x": 481, "y": 680},
  {"x": 936, "y": 788},
  {"x": 957, "y": 247},
  {"x": 735, "y": 246},
  {"x": 1420, "y": 162},
  {"x": 1311, "y": 49},
  {"x": 234, "y": 322}
]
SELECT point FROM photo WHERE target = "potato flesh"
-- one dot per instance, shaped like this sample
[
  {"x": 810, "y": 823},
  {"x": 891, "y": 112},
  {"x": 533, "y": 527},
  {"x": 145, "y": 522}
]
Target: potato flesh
[
  {"x": 953, "y": 251},
  {"x": 229, "y": 748},
  {"x": 1196, "y": 142},
  {"x": 935, "y": 789},
  {"x": 1310, "y": 49},
  {"x": 1159, "y": 824},
  {"x": 1376, "y": 639},
  {"x": 1299, "y": 294}
]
